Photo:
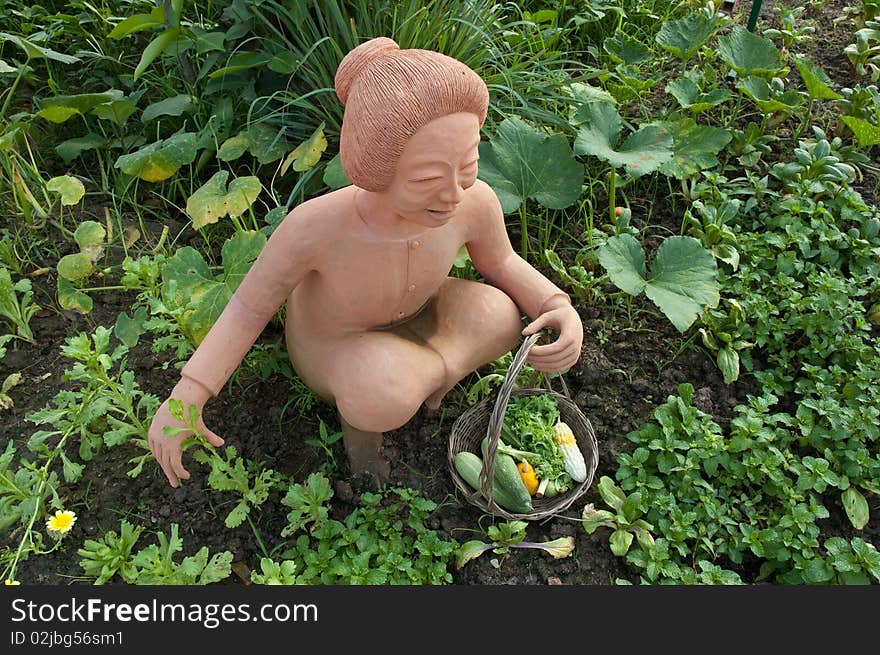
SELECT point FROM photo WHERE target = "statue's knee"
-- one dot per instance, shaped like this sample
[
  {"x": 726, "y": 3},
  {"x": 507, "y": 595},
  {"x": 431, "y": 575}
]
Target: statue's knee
[
  {"x": 377, "y": 410},
  {"x": 508, "y": 319}
]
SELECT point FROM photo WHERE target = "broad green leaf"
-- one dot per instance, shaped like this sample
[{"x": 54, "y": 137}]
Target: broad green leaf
[
  {"x": 117, "y": 111},
  {"x": 308, "y": 153},
  {"x": 856, "y": 507},
  {"x": 642, "y": 151},
  {"x": 212, "y": 200},
  {"x": 620, "y": 541},
  {"x": 284, "y": 62},
  {"x": 690, "y": 96},
  {"x": 210, "y": 41},
  {"x": 34, "y": 51},
  {"x": 6, "y": 68},
  {"x": 817, "y": 82},
  {"x": 470, "y": 550},
  {"x": 233, "y": 148},
  {"x": 584, "y": 94},
  {"x": 155, "y": 48},
  {"x": 68, "y": 187},
  {"x": 266, "y": 143},
  {"x": 750, "y": 54},
  {"x": 128, "y": 330},
  {"x": 694, "y": 147},
  {"x": 760, "y": 92},
  {"x": 72, "y": 148},
  {"x": 242, "y": 61},
  {"x": 175, "y": 106},
  {"x": 160, "y": 160},
  {"x": 71, "y": 298},
  {"x": 238, "y": 253},
  {"x": 89, "y": 236},
  {"x": 624, "y": 259},
  {"x": 76, "y": 266},
  {"x": 685, "y": 36},
  {"x": 728, "y": 364},
  {"x": 60, "y": 108},
  {"x": 682, "y": 280},
  {"x": 188, "y": 282},
  {"x": 138, "y": 22},
  {"x": 866, "y": 133},
  {"x": 334, "y": 176},
  {"x": 522, "y": 162},
  {"x": 626, "y": 50}
]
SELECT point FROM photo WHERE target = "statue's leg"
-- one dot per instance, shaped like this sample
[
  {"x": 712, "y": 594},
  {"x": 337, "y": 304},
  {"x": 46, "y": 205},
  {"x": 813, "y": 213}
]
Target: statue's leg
[
  {"x": 364, "y": 452},
  {"x": 468, "y": 325}
]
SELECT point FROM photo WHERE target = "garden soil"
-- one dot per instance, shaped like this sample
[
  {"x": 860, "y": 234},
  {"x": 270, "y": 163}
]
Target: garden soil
[{"x": 632, "y": 360}]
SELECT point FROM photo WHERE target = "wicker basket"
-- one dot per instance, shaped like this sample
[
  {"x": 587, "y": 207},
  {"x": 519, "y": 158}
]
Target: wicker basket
[{"x": 475, "y": 423}]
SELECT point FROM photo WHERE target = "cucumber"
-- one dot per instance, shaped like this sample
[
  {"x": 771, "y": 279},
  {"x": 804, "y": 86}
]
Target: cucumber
[
  {"x": 469, "y": 466},
  {"x": 508, "y": 478}
]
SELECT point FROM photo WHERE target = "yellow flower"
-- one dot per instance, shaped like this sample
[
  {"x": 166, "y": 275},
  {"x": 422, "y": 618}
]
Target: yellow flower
[
  {"x": 11, "y": 583},
  {"x": 61, "y": 522}
]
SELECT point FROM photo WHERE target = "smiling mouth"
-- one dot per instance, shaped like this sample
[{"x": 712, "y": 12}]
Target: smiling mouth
[{"x": 441, "y": 213}]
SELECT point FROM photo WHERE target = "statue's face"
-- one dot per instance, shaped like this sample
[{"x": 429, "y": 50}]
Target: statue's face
[{"x": 438, "y": 164}]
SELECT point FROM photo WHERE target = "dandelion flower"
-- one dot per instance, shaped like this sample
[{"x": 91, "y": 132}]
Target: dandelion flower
[
  {"x": 12, "y": 583},
  {"x": 61, "y": 522}
]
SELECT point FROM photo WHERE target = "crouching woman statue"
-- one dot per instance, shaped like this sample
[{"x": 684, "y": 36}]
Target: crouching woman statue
[{"x": 374, "y": 323}]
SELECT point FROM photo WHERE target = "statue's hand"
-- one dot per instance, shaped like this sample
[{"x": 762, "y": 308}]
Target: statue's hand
[
  {"x": 166, "y": 448},
  {"x": 563, "y": 353}
]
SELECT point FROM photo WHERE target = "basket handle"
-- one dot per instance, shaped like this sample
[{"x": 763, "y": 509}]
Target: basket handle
[{"x": 487, "y": 473}]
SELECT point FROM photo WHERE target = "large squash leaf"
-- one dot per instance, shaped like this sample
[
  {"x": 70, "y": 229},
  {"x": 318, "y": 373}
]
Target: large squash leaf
[
  {"x": 522, "y": 162},
  {"x": 694, "y": 147},
  {"x": 750, "y": 54},
  {"x": 685, "y": 36},
  {"x": 212, "y": 200},
  {"x": 682, "y": 280},
  {"x": 643, "y": 151},
  {"x": 187, "y": 282},
  {"x": 160, "y": 160}
]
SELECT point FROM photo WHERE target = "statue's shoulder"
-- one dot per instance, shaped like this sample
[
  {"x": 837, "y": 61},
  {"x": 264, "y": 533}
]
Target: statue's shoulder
[{"x": 327, "y": 211}]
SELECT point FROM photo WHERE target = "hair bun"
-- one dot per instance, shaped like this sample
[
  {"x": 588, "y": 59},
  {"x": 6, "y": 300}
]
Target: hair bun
[{"x": 353, "y": 64}]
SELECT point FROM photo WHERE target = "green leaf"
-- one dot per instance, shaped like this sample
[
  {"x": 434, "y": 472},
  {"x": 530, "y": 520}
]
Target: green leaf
[
  {"x": 750, "y": 54},
  {"x": 117, "y": 111},
  {"x": 6, "y": 68},
  {"x": 266, "y": 143},
  {"x": 58, "y": 109},
  {"x": 685, "y": 36},
  {"x": 689, "y": 95},
  {"x": 522, "y": 162},
  {"x": 334, "y": 176},
  {"x": 71, "y": 298},
  {"x": 68, "y": 187},
  {"x": 233, "y": 148},
  {"x": 856, "y": 507},
  {"x": 306, "y": 154},
  {"x": 74, "y": 267},
  {"x": 760, "y": 92},
  {"x": 694, "y": 147},
  {"x": 160, "y": 160},
  {"x": 817, "y": 82},
  {"x": 624, "y": 259},
  {"x": 34, "y": 51},
  {"x": 620, "y": 540},
  {"x": 138, "y": 22},
  {"x": 470, "y": 550},
  {"x": 155, "y": 48},
  {"x": 89, "y": 236},
  {"x": 72, "y": 148},
  {"x": 626, "y": 50},
  {"x": 238, "y": 253},
  {"x": 128, "y": 330},
  {"x": 642, "y": 152},
  {"x": 866, "y": 133},
  {"x": 175, "y": 106},
  {"x": 212, "y": 200},
  {"x": 728, "y": 363},
  {"x": 683, "y": 276},
  {"x": 584, "y": 94}
]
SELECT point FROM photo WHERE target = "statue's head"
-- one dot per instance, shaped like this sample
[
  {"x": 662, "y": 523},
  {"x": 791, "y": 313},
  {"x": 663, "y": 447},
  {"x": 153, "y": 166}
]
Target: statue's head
[{"x": 389, "y": 94}]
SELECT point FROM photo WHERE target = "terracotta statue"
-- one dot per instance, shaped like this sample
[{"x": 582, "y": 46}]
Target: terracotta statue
[{"x": 375, "y": 325}]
